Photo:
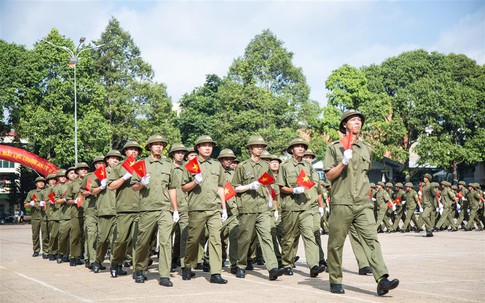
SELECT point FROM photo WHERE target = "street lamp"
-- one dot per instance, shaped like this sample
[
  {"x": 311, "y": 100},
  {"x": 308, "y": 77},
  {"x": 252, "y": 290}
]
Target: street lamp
[{"x": 73, "y": 60}]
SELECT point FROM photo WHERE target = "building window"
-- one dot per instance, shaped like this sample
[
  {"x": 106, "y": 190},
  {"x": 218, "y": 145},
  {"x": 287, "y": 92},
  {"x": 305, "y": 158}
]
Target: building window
[{"x": 7, "y": 164}]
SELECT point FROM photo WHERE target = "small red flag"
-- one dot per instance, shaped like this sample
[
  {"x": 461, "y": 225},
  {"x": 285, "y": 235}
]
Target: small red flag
[
  {"x": 397, "y": 200},
  {"x": 128, "y": 164},
  {"x": 229, "y": 191},
  {"x": 266, "y": 179},
  {"x": 52, "y": 197},
  {"x": 370, "y": 194},
  {"x": 34, "y": 197},
  {"x": 273, "y": 194},
  {"x": 193, "y": 166},
  {"x": 347, "y": 141},
  {"x": 304, "y": 181},
  {"x": 389, "y": 204},
  {"x": 100, "y": 173},
  {"x": 88, "y": 184},
  {"x": 459, "y": 195},
  {"x": 140, "y": 168},
  {"x": 80, "y": 200}
]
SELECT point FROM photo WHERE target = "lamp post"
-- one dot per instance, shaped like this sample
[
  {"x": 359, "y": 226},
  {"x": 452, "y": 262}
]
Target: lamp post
[{"x": 73, "y": 60}]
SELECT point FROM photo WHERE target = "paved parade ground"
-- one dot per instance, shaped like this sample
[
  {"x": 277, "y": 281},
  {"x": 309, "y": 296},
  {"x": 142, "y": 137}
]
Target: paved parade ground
[{"x": 447, "y": 268}]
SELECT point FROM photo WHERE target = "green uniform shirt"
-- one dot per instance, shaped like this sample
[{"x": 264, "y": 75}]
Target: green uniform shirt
[
  {"x": 411, "y": 198},
  {"x": 127, "y": 200},
  {"x": 61, "y": 193},
  {"x": 73, "y": 192},
  {"x": 52, "y": 209},
  {"x": 473, "y": 198},
  {"x": 106, "y": 199},
  {"x": 251, "y": 201},
  {"x": 447, "y": 197},
  {"x": 429, "y": 194},
  {"x": 90, "y": 201},
  {"x": 315, "y": 190},
  {"x": 352, "y": 186},
  {"x": 287, "y": 175},
  {"x": 204, "y": 196},
  {"x": 36, "y": 213},
  {"x": 154, "y": 195},
  {"x": 382, "y": 198},
  {"x": 231, "y": 205},
  {"x": 182, "y": 204}
]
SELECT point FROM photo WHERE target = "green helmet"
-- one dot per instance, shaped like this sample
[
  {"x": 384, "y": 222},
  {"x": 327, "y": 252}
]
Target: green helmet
[
  {"x": 236, "y": 160},
  {"x": 256, "y": 140},
  {"x": 81, "y": 165},
  {"x": 454, "y": 187},
  {"x": 114, "y": 153},
  {"x": 309, "y": 152},
  {"x": 446, "y": 183},
  {"x": 389, "y": 184},
  {"x": 462, "y": 183},
  {"x": 399, "y": 185},
  {"x": 348, "y": 114},
  {"x": 50, "y": 176},
  {"x": 62, "y": 172},
  {"x": 265, "y": 155},
  {"x": 275, "y": 158},
  {"x": 476, "y": 185},
  {"x": 409, "y": 184},
  {"x": 155, "y": 139},
  {"x": 204, "y": 139},
  {"x": 177, "y": 147},
  {"x": 434, "y": 184},
  {"x": 226, "y": 153},
  {"x": 372, "y": 185},
  {"x": 381, "y": 184},
  {"x": 69, "y": 169},
  {"x": 296, "y": 141},
  {"x": 190, "y": 150},
  {"x": 41, "y": 179},
  {"x": 132, "y": 144},
  {"x": 426, "y": 175},
  {"x": 98, "y": 159}
]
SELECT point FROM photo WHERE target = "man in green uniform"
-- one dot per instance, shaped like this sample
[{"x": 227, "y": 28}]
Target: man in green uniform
[
  {"x": 399, "y": 198},
  {"x": 276, "y": 223},
  {"x": 158, "y": 210},
  {"x": 474, "y": 199},
  {"x": 35, "y": 201},
  {"x": 206, "y": 198},
  {"x": 127, "y": 205},
  {"x": 52, "y": 217},
  {"x": 410, "y": 201},
  {"x": 106, "y": 205},
  {"x": 449, "y": 204},
  {"x": 351, "y": 205},
  {"x": 253, "y": 201},
  {"x": 391, "y": 209},
  {"x": 230, "y": 228},
  {"x": 296, "y": 207},
  {"x": 429, "y": 195},
  {"x": 382, "y": 200},
  {"x": 180, "y": 232},
  {"x": 64, "y": 213},
  {"x": 463, "y": 202}
]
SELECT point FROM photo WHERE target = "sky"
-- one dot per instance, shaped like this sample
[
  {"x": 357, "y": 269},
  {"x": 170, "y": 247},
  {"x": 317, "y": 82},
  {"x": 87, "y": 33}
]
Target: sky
[{"x": 186, "y": 40}]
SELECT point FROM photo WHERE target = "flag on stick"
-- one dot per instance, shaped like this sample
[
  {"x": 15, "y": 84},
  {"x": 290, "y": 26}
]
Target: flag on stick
[
  {"x": 229, "y": 191},
  {"x": 140, "y": 168},
  {"x": 193, "y": 166},
  {"x": 304, "y": 181},
  {"x": 266, "y": 179},
  {"x": 128, "y": 164}
]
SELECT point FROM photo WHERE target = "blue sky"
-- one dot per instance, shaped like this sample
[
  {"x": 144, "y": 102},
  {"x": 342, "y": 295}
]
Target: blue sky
[{"x": 185, "y": 40}]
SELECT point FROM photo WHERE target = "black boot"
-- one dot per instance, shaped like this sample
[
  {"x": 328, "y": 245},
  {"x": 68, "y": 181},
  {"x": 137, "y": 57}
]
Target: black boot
[
  {"x": 72, "y": 262},
  {"x": 138, "y": 276},
  {"x": 114, "y": 270},
  {"x": 186, "y": 273},
  {"x": 275, "y": 273},
  {"x": 95, "y": 266},
  {"x": 165, "y": 282},
  {"x": 120, "y": 271},
  {"x": 385, "y": 285},
  {"x": 217, "y": 279}
]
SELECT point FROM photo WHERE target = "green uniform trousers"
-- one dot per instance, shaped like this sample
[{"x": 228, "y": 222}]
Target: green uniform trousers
[
  {"x": 44, "y": 227},
  {"x": 198, "y": 221},
  {"x": 294, "y": 224},
  {"x": 361, "y": 216},
  {"x": 149, "y": 223},
  {"x": 35, "y": 225},
  {"x": 358, "y": 248},
  {"x": 53, "y": 236},
  {"x": 316, "y": 231},
  {"x": 64, "y": 230},
  {"x": 258, "y": 224},
  {"x": 400, "y": 215},
  {"x": 106, "y": 229},
  {"x": 474, "y": 219},
  {"x": 90, "y": 237},
  {"x": 229, "y": 238},
  {"x": 276, "y": 227},
  {"x": 447, "y": 218},
  {"x": 180, "y": 234},
  {"x": 426, "y": 218},
  {"x": 76, "y": 237},
  {"x": 410, "y": 216},
  {"x": 382, "y": 219},
  {"x": 126, "y": 227}
]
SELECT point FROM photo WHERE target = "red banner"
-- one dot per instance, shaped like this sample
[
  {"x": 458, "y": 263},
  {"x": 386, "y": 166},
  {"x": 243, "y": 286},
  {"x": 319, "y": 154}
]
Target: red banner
[{"x": 40, "y": 165}]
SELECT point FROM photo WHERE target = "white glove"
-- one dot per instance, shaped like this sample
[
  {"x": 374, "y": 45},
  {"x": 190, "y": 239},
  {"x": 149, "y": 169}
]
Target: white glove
[
  {"x": 103, "y": 184},
  {"x": 254, "y": 185},
  {"x": 394, "y": 207},
  {"x": 175, "y": 216},
  {"x": 468, "y": 211},
  {"x": 374, "y": 199},
  {"x": 127, "y": 176},
  {"x": 32, "y": 203},
  {"x": 198, "y": 178},
  {"x": 320, "y": 210},
  {"x": 224, "y": 215},
  {"x": 145, "y": 180},
  {"x": 326, "y": 209},
  {"x": 420, "y": 193},
  {"x": 276, "y": 215},
  {"x": 463, "y": 199},
  {"x": 441, "y": 211},
  {"x": 347, "y": 157},
  {"x": 298, "y": 190},
  {"x": 421, "y": 210},
  {"x": 270, "y": 203},
  {"x": 403, "y": 202},
  {"x": 440, "y": 206},
  {"x": 41, "y": 203},
  {"x": 75, "y": 202},
  {"x": 458, "y": 206},
  {"x": 437, "y": 209}
]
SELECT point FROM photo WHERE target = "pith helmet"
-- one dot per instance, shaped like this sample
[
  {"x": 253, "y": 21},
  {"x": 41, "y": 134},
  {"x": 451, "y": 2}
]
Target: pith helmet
[
  {"x": 204, "y": 139},
  {"x": 348, "y": 114},
  {"x": 177, "y": 147},
  {"x": 275, "y": 158},
  {"x": 434, "y": 184},
  {"x": 61, "y": 173},
  {"x": 256, "y": 140},
  {"x": 409, "y": 184},
  {"x": 445, "y": 183},
  {"x": 81, "y": 165},
  {"x": 155, "y": 139},
  {"x": 265, "y": 155},
  {"x": 454, "y": 187},
  {"x": 372, "y": 185},
  {"x": 399, "y": 185},
  {"x": 50, "y": 176},
  {"x": 389, "y": 184},
  {"x": 226, "y": 153},
  {"x": 296, "y": 141},
  {"x": 236, "y": 161},
  {"x": 189, "y": 151},
  {"x": 381, "y": 184},
  {"x": 114, "y": 153},
  {"x": 132, "y": 144},
  {"x": 476, "y": 185},
  {"x": 309, "y": 152},
  {"x": 98, "y": 159},
  {"x": 428, "y": 176},
  {"x": 462, "y": 183},
  {"x": 39, "y": 179},
  {"x": 69, "y": 169}
]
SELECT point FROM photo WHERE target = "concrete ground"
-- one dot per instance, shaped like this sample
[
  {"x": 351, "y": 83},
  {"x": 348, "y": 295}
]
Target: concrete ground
[{"x": 447, "y": 268}]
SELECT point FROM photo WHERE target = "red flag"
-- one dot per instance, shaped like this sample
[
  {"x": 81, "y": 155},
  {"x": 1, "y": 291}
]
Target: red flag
[
  {"x": 459, "y": 195},
  {"x": 370, "y": 194},
  {"x": 303, "y": 180},
  {"x": 52, "y": 197},
  {"x": 397, "y": 200},
  {"x": 80, "y": 200},
  {"x": 347, "y": 141},
  {"x": 128, "y": 164},
  {"x": 140, "y": 168},
  {"x": 34, "y": 197},
  {"x": 420, "y": 197},
  {"x": 266, "y": 179},
  {"x": 389, "y": 204},
  {"x": 229, "y": 191},
  {"x": 100, "y": 173},
  {"x": 88, "y": 184},
  {"x": 193, "y": 166},
  {"x": 273, "y": 194}
]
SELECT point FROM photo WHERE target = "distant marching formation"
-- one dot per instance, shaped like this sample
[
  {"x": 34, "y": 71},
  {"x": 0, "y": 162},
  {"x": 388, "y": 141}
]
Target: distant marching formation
[{"x": 195, "y": 212}]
